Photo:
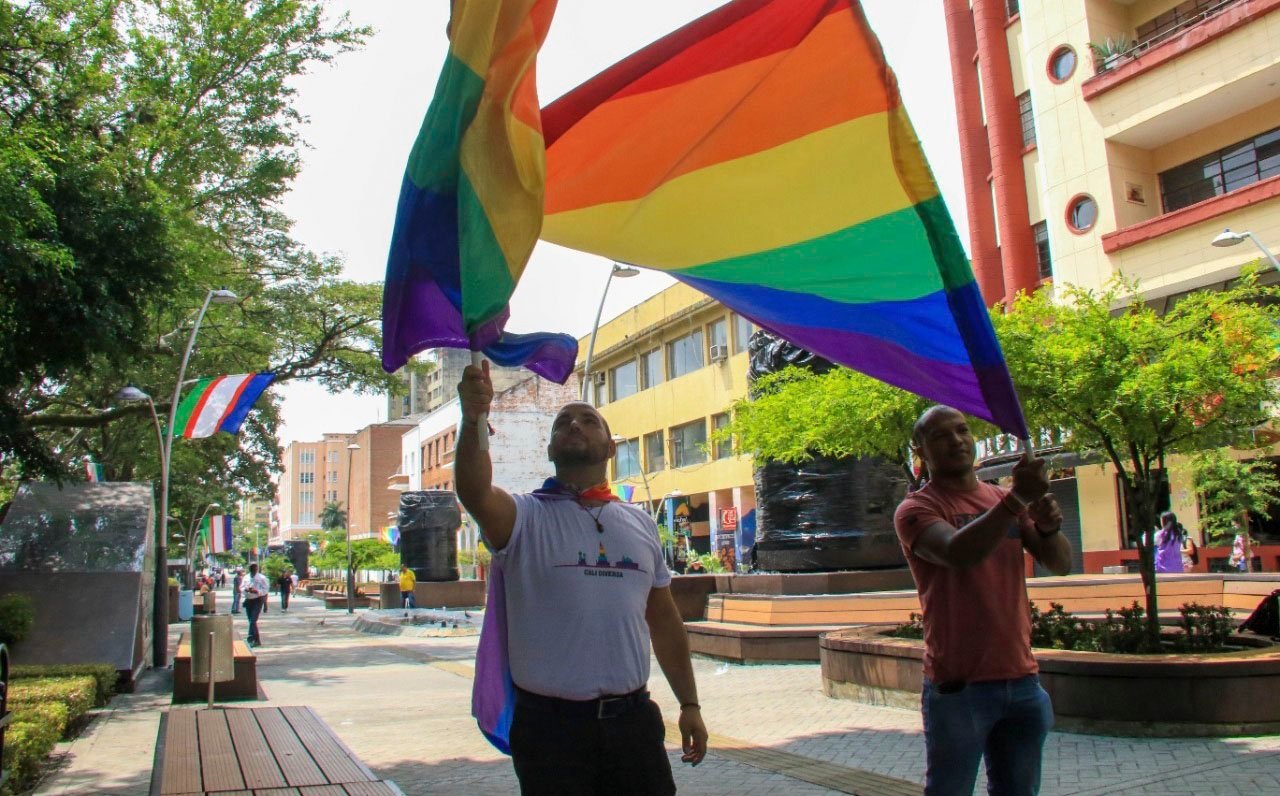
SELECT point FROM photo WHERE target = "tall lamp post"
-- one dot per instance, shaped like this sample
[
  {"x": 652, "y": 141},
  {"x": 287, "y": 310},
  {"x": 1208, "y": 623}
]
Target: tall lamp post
[
  {"x": 160, "y": 610},
  {"x": 351, "y": 581},
  {"x": 1229, "y": 238},
  {"x": 192, "y": 531},
  {"x": 622, "y": 272}
]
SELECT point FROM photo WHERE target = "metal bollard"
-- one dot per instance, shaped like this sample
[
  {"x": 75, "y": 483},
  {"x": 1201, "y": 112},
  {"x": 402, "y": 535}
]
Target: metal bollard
[{"x": 212, "y": 651}]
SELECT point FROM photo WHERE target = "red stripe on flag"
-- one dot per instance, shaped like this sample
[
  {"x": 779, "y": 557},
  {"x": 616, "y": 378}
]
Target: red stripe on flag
[
  {"x": 235, "y": 400},
  {"x": 199, "y": 407}
]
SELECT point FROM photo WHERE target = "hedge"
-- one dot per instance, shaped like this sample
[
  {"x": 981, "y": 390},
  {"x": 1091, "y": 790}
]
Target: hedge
[
  {"x": 47, "y": 714},
  {"x": 77, "y": 693},
  {"x": 26, "y": 745},
  {"x": 104, "y": 674}
]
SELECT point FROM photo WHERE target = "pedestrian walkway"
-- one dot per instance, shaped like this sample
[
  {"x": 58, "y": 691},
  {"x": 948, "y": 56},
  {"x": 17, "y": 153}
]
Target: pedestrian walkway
[{"x": 402, "y": 704}]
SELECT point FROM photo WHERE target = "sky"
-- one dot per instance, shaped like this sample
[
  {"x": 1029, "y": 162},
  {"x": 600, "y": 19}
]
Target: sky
[{"x": 365, "y": 108}]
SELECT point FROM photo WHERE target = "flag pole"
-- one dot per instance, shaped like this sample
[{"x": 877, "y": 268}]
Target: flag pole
[{"x": 482, "y": 422}]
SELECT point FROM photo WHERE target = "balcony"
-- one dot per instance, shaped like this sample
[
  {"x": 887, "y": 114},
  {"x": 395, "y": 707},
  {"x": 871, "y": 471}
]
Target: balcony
[{"x": 1205, "y": 68}]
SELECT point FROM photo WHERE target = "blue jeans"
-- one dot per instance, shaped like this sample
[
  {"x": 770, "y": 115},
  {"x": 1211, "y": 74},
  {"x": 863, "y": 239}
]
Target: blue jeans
[
  {"x": 235, "y": 602},
  {"x": 253, "y": 608},
  {"x": 1005, "y": 721},
  {"x": 406, "y": 600}
]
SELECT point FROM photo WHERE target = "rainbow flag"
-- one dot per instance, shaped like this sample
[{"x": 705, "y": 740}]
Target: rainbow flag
[
  {"x": 219, "y": 403},
  {"x": 762, "y": 155},
  {"x": 471, "y": 200},
  {"x": 390, "y": 534},
  {"x": 623, "y": 491}
]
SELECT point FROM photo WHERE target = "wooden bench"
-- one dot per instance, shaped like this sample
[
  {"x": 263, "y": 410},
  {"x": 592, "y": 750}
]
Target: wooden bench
[
  {"x": 285, "y": 751},
  {"x": 338, "y": 599},
  {"x": 244, "y": 686}
]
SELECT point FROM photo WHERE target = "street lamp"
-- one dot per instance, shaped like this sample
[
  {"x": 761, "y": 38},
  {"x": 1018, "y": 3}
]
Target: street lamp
[
  {"x": 622, "y": 272},
  {"x": 351, "y": 582},
  {"x": 1229, "y": 238},
  {"x": 131, "y": 395},
  {"x": 160, "y": 614},
  {"x": 191, "y": 542}
]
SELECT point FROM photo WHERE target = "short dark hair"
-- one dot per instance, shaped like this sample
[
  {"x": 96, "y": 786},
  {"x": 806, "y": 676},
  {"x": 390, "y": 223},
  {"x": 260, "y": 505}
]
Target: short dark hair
[
  {"x": 917, "y": 430},
  {"x": 600, "y": 415}
]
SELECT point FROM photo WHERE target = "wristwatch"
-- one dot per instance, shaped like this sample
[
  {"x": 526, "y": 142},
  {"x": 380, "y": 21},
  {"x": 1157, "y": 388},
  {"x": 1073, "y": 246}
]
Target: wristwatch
[{"x": 1047, "y": 534}]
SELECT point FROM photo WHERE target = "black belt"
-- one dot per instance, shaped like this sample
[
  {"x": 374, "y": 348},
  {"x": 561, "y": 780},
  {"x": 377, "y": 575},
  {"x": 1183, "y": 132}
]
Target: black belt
[{"x": 605, "y": 707}]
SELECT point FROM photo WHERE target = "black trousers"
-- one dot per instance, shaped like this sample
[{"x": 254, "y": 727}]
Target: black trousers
[
  {"x": 253, "y": 608},
  {"x": 570, "y": 755}
]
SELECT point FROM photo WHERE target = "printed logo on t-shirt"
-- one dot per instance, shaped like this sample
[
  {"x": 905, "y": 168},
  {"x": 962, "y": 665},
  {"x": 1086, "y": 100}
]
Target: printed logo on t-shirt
[
  {"x": 602, "y": 567},
  {"x": 964, "y": 519}
]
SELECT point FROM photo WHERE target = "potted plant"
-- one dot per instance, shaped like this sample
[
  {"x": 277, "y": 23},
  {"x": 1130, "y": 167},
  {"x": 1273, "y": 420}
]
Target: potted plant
[{"x": 1110, "y": 52}]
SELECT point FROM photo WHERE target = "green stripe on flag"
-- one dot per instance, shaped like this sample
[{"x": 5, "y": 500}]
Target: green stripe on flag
[{"x": 188, "y": 406}]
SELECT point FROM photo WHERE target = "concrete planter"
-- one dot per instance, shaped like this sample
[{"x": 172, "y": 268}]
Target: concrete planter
[{"x": 1209, "y": 695}]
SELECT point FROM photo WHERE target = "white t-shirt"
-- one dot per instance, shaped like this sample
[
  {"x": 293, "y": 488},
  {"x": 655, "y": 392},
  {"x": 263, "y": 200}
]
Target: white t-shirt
[
  {"x": 255, "y": 586},
  {"x": 576, "y": 597}
]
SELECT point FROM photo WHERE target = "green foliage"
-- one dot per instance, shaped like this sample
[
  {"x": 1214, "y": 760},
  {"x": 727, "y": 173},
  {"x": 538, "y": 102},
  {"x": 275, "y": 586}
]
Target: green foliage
[
  {"x": 1057, "y": 629},
  {"x": 711, "y": 562},
  {"x": 795, "y": 414},
  {"x": 104, "y": 675},
  {"x": 1232, "y": 489},
  {"x": 26, "y": 745},
  {"x": 914, "y": 627},
  {"x": 275, "y": 565},
  {"x": 16, "y": 617},
  {"x": 481, "y": 556},
  {"x": 333, "y": 517},
  {"x": 53, "y": 714},
  {"x": 77, "y": 693},
  {"x": 1105, "y": 49},
  {"x": 1205, "y": 628}
]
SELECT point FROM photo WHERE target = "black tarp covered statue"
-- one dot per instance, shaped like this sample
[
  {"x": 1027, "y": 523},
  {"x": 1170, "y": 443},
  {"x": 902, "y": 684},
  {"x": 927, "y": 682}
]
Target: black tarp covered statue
[{"x": 826, "y": 513}]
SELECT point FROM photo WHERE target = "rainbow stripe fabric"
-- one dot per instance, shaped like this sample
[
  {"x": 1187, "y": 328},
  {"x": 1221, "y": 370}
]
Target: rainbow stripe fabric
[
  {"x": 219, "y": 403},
  {"x": 470, "y": 205},
  {"x": 762, "y": 155}
]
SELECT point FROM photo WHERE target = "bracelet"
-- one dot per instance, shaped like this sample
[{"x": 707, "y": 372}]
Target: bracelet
[
  {"x": 1016, "y": 509},
  {"x": 684, "y": 705}
]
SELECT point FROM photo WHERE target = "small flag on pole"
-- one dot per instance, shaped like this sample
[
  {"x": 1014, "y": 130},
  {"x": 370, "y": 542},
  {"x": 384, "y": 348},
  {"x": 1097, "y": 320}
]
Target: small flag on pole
[
  {"x": 219, "y": 403},
  {"x": 218, "y": 528},
  {"x": 94, "y": 472}
]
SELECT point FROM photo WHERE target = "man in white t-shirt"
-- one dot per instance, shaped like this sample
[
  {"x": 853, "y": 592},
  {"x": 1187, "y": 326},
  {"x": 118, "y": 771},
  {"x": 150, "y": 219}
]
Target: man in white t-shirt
[
  {"x": 255, "y": 590},
  {"x": 587, "y": 592}
]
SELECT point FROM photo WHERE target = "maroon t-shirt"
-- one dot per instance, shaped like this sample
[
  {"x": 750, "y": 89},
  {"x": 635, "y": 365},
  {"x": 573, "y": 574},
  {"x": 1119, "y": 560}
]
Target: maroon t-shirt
[{"x": 977, "y": 625}]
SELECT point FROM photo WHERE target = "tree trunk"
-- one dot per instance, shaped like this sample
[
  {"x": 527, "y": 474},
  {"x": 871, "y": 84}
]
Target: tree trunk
[{"x": 1142, "y": 514}]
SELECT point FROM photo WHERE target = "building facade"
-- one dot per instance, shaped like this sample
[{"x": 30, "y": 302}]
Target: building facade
[
  {"x": 665, "y": 374},
  {"x": 373, "y": 505},
  {"x": 427, "y": 392},
  {"x": 1105, "y": 138},
  {"x": 315, "y": 473}
]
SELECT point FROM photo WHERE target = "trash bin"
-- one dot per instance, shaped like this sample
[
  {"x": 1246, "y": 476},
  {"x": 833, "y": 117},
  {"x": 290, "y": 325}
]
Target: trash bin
[
  {"x": 389, "y": 594},
  {"x": 212, "y": 652},
  {"x": 186, "y": 607}
]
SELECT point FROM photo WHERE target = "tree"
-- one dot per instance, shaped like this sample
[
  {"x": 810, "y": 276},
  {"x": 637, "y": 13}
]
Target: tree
[
  {"x": 333, "y": 517},
  {"x": 1102, "y": 370},
  {"x": 1232, "y": 491},
  {"x": 274, "y": 565}
]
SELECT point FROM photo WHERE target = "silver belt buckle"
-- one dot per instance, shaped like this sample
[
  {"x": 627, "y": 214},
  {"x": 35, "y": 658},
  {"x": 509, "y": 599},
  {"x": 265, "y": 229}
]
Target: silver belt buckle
[{"x": 600, "y": 709}]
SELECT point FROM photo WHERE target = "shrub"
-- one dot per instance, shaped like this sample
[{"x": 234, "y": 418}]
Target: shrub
[
  {"x": 914, "y": 628},
  {"x": 1059, "y": 630},
  {"x": 16, "y": 616},
  {"x": 77, "y": 693},
  {"x": 50, "y": 714},
  {"x": 1205, "y": 628},
  {"x": 1124, "y": 632},
  {"x": 26, "y": 745},
  {"x": 104, "y": 674}
]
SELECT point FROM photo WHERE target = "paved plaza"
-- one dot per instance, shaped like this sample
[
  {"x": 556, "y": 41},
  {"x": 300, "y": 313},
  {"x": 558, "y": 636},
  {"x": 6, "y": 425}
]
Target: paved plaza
[{"x": 403, "y": 705}]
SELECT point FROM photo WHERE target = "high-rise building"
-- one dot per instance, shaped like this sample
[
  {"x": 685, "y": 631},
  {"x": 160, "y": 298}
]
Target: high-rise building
[
  {"x": 315, "y": 473},
  {"x": 420, "y": 394},
  {"x": 1117, "y": 137},
  {"x": 374, "y": 503}
]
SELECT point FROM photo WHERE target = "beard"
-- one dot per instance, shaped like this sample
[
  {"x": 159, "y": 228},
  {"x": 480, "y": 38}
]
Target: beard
[{"x": 580, "y": 456}]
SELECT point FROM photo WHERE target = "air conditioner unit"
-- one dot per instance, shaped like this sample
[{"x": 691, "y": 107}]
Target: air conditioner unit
[
  {"x": 599, "y": 378},
  {"x": 719, "y": 353}
]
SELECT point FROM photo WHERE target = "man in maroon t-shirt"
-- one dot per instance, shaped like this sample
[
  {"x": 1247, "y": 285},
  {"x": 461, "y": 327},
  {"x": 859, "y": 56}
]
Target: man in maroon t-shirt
[{"x": 964, "y": 541}]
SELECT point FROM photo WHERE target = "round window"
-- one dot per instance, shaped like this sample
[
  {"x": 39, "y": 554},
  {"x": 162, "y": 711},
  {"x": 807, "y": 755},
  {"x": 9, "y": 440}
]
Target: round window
[
  {"x": 1082, "y": 213},
  {"x": 1062, "y": 64}
]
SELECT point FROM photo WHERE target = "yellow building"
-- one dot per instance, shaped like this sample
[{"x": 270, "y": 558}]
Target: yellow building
[
  {"x": 1118, "y": 137},
  {"x": 664, "y": 375}
]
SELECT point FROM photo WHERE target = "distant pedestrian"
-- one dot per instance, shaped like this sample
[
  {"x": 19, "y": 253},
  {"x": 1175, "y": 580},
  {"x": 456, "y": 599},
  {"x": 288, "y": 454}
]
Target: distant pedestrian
[
  {"x": 1168, "y": 544},
  {"x": 255, "y": 597},
  {"x": 407, "y": 581},
  {"x": 237, "y": 583},
  {"x": 293, "y": 579},
  {"x": 284, "y": 584},
  {"x": 1241, "y": 549}
]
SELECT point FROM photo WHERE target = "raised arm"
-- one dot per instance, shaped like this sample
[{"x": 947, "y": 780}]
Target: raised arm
[{"x": 493, "y": 509}]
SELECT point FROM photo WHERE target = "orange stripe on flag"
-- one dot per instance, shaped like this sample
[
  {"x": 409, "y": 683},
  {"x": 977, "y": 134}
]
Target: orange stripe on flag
[{"x": 199, "y": 408}]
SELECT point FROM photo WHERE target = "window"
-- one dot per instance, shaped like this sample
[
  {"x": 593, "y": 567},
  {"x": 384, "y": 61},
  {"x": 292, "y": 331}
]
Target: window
[
  {"x": 332, "y": 457},
  {"x": 655, "y": 458},
  {"x": 627, "y": 461},
  {"x": 722, "y": 449},
  {"x": 1220, "y": 172},
  {"x": 306, "y": 478},
  {"x": 651, "y": 369},
  {"x": 624, "y": 381},
  {"x": 718, "y": 333},
  {"x": 1041, "y": 234},
  {"x": 305, "y": 498},
  {"x": 1082, "y": 213},
  {"x": 684, "y": 355},
  {"x": 601, "y": 390},
  {"x": 742, "y": 331},
  {"x": 1028, "y": 119},
  {"x": 333, "y": 476},
  {"x": 307, "y": 457},
  {"x": 688, "y": 444},
  {"x": 1011, "y": 6},
  {"x": 1062, "y": 64}
]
